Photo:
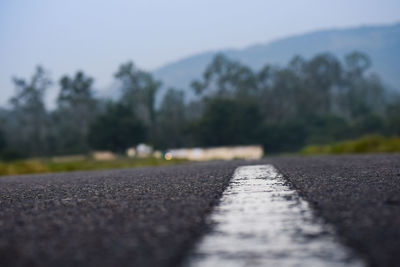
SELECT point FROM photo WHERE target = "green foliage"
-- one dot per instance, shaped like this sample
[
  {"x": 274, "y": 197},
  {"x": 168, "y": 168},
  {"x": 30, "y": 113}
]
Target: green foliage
[
  {"x": 321, "y": 100},
  {"x": 76, "y": 92},
  {"x": 393, "y": 118},
  {"x": 171, "y": 123},
  {"x": 357, "y": 63},
  {"x": 365, "y": 144},
  {"x": 2, "y": 140},
  {"x": 225, "y": 78},
  {"x": 327, "y": 128},
  {"x": 315, "y": 101},
  {"x": 76, "y": 111},
  {"x": 116, "y": 129},
  {"x": 8, "y": 154},
  {"x": 287, "y": 136},
  {"x": 228, "y": 122},
  {"x": 27, "y": 133},
  {"x": 139, "y": 91}
]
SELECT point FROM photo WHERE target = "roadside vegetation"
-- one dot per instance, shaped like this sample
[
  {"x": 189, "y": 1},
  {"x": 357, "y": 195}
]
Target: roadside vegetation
[
  {"x": 50, "y": 165},
  {"x": 365, "y": 144},
  {"x": 321, "y": 100}
]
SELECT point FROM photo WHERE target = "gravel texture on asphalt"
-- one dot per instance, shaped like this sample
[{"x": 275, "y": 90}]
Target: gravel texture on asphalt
[
  {"x": 128, "y": 217},
  {"x": 152, "y": 216},
  {"x": 359, "y": 195}
]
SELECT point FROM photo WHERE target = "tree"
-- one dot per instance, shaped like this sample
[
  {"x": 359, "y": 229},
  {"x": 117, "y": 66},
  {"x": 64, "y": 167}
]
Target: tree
[
  {"x": 76, "y": 111},
  {"x": 316, "y": 100},
  {"x": 30, "y": 128},
  {"x": 226, "y": 78},
  {"x": 228, "y": 122},
  {"x": 2, "y": 140},
  {"x": 323, "y": 72},
  {"x": 393, "y": 117},
  {"x": 172, "y": 120},
  {"x": 283, "y": 97},
  {"x": 356, "y": 64},
  {"x": 361, "y": 95},
  {"x": 287, "y": 136},
  {"x": 139, "y": 91},
  {"x": 116, "y": 129}
]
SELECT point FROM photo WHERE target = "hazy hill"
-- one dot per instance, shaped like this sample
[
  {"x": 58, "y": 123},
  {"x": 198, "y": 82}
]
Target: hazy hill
[{"x": 382, "y": 43}]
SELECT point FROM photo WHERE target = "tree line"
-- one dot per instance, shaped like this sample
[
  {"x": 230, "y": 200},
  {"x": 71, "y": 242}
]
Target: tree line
[{"x": 308, "y": 101}]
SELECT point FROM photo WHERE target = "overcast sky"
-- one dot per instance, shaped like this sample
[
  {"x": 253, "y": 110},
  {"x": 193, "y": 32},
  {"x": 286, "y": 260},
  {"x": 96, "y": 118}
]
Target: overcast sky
[{"x": 97, "y": 36}]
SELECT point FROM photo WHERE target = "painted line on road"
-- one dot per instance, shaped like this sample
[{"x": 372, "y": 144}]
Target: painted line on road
[{"x": 261, "y": 221}]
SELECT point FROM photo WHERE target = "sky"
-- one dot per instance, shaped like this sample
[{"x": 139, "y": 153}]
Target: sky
[{"x": 97, "y": 36}]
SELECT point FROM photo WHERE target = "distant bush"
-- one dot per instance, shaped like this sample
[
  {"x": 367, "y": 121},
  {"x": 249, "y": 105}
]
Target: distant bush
[
  {"x": 365, "y": 144},
  {"x": 10, "y": 155}
]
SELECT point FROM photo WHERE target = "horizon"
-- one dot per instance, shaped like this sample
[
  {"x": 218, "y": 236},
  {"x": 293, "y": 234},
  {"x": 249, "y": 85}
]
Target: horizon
[{"x": 21, "y": 58}]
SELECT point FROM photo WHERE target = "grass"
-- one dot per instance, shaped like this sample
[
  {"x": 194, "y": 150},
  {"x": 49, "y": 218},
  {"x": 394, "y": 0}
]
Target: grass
[
  {"x": 29, "y": 166},
  {"x": 365, "y": 144}
]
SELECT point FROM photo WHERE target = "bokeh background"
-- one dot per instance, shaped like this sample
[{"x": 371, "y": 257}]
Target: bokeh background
[{"x": 126, "y": 82}]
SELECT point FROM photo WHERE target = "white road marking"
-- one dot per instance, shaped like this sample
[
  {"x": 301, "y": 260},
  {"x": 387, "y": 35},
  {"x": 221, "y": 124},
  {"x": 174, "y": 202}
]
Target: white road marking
[{"x": 260, "y": 221}]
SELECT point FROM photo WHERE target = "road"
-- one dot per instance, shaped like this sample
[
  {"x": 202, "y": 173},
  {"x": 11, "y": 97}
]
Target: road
[{"x": 154, "y": 216}]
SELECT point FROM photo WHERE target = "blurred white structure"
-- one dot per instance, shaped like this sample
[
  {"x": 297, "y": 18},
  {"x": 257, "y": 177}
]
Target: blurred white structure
[
  {"x": 144, "y": 151},
  {"x": 225, "y": 153}
]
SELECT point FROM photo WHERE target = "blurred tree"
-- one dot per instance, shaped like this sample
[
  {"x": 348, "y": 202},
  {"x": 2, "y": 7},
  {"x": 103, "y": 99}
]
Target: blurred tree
[
  {"x": 76, "y": 111},
  {"x": 326, "y": 128},
  {"x": 29, "y": 129},
  {"x": 361, "y": 94},
  {"x": 116, "y": 129},
  {"x": 265, "y": 84},
  {"x": 316, "y": 100},
  {"x": 2, "y": 140},
  {"x": 356, "y": 64},
  {"x": 139, "y": 91},
  {"x": 282, "y": 104},
  {"x": 171, "y": 121},
  {"x": 369, "y": 124},
  {"x": 393, "y": 117},
  {"x": 323, "y": 72},
  {"x": 226, "y": 78},
  {"x": 303, "y": 102},
  {"x": 229, "y": 122},
  {"x": 286, "y": 136}
]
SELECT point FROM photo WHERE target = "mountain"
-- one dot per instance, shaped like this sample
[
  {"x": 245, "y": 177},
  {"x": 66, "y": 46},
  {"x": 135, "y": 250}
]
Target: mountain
[{"x": 381, "y": 43}]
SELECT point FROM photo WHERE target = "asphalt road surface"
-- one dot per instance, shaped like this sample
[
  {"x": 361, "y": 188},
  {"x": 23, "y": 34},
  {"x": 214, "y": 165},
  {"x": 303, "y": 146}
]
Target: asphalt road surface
[{"x": 153, "y": 216}]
